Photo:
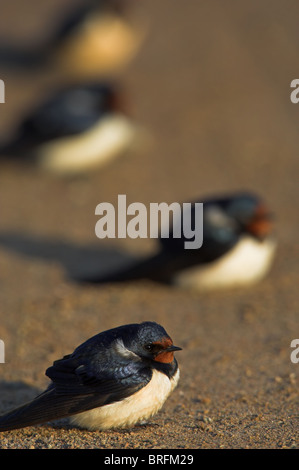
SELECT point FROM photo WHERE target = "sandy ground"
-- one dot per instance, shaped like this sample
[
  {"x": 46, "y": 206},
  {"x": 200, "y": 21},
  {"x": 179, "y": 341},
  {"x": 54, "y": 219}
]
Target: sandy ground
[{"x": 211, "y": 87}]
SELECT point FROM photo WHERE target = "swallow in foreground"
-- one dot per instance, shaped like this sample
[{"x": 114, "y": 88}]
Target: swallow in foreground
[
  {"x": 116, "y": 379},
  {"x": 93, "y": 39},
  {"x": 76, "y": 129},
  {"x": 238, "y": 248}
]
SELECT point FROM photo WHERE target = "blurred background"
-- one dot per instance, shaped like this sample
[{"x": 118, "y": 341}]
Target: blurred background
[{"x": 208, "y": 85}]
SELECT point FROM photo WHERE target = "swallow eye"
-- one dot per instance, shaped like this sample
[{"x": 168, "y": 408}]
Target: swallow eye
[{"x": 149, "y": 347}]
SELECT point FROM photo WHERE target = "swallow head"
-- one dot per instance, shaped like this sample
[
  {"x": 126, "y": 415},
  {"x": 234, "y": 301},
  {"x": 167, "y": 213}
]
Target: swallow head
[
  {"x": 150, "y": 342},
  {"x": 94, "y": 99},
  {"x": 260, "y": 225},
  {"x": 250, "y": 214}
]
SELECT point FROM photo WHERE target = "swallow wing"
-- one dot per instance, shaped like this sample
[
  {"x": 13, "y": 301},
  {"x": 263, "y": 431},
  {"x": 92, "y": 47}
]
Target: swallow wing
[
  {"x": 219, "y": 235},
  {"x": 154, "y": 268},
  {"x": 78, "y": 385}
]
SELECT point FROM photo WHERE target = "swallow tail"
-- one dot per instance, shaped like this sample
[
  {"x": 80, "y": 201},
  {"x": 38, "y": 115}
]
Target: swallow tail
[
  {"x": 152, "y": 268},
  {"x": 45, "y": 407},
  {"x": 16, "y": 58},
  {"x": 15, "y": 149}
]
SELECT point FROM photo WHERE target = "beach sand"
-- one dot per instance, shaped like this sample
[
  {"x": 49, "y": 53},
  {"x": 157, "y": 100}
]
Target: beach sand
[{"x": 210, "y": 88}]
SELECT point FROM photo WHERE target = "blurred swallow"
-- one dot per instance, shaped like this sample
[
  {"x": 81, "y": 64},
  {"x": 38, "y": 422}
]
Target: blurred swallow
[
  {"x": 94, "y": 38},
  {"x": 117, "y": 378},
  {"x": 78, "y": 128},
  {"x": 238, "y": 248}
]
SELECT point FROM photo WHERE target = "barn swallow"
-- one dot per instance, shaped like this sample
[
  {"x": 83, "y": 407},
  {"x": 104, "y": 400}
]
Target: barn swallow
[
  {"x": 118, "y": 378},
  {"x": 92, "y": 39},
  {"x": 238, "y": 248},
  {"x": 75, "y": 129}
]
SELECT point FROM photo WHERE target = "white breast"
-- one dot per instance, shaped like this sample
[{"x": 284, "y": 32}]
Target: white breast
[
  {"x": 132, "y": 410},
  {"x": 103, "y": 141},
  {"x": 103, "y": 44},
  {"x": 246, "y": 263}
]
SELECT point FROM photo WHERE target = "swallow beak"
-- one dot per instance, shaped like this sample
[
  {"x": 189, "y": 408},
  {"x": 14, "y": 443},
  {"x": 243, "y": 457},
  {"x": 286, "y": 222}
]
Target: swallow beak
[
  {"x": 118, "y": 103},
  {"x": 173, "y": 348},
  {"x": 167, "y": 354}
]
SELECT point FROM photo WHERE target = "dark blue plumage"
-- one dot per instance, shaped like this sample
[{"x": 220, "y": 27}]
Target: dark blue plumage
[
  {"x": 229, "y": 221},
  {"x": 65, "y": 112},
  {"x": 64, "y": 28},
  {"x": 106, "y": 369},
  {"x": 74, "y": 129}
]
